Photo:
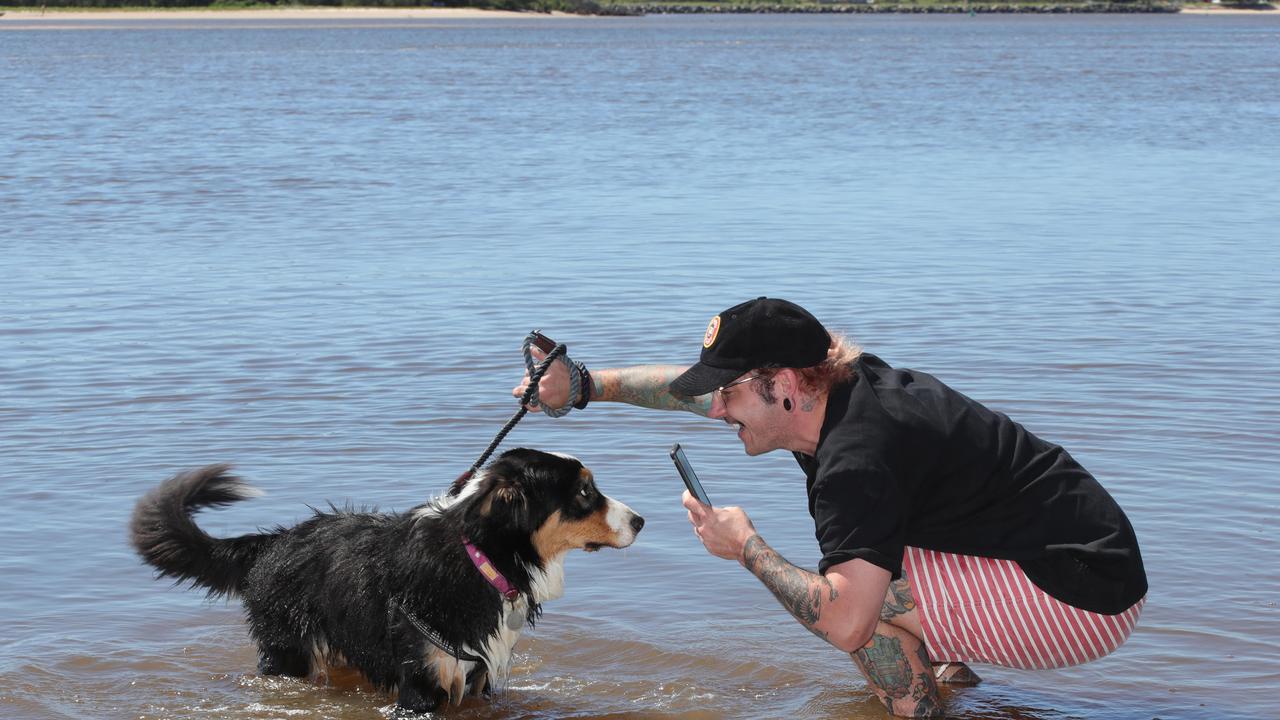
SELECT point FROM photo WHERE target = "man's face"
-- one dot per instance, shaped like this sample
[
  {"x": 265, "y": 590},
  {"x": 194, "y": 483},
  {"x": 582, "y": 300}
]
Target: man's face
[{"x": 761, "y": 425}]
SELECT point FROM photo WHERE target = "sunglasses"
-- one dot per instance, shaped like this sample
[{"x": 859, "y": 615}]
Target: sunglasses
[{"x": 720, "y": 391}]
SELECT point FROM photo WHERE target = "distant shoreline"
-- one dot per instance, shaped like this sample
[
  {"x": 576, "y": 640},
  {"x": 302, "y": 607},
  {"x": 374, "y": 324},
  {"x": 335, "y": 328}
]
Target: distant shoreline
[
  {"x": 1218, "y": 10},
  {"x": 68, "y": 15},
  {"x": 938, "y": 7},
  {"x": 290, "y": 13}
]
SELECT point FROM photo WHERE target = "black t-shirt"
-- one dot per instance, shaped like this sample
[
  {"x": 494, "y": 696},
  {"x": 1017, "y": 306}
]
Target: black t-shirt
[{"x": 905, "y": 460}]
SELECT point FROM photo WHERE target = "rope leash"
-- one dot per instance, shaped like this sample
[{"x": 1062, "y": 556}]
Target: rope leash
[
  {"x": 577, "y": 373},
  {"x": 578, "y": 379}
]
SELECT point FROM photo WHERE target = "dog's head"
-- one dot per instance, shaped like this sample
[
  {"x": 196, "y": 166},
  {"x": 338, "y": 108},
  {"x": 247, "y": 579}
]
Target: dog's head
[{"x": 549, "y": 501}]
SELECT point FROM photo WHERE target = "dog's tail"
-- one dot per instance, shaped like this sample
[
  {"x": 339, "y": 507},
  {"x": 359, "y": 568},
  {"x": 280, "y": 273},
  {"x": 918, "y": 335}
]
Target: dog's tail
[{"x": 164, "y": 534}]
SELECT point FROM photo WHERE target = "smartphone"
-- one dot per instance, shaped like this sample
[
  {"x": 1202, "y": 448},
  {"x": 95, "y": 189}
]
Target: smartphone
[
  {"x": 543, "y": 343},
  {"x": 688, "y": 475}
]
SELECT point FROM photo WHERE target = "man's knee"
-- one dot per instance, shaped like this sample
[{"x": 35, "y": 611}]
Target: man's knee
[{"x": 900, "y": 608}]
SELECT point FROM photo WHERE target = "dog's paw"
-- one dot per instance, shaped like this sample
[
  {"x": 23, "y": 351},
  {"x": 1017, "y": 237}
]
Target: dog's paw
[{"x": 412, "y": 705}]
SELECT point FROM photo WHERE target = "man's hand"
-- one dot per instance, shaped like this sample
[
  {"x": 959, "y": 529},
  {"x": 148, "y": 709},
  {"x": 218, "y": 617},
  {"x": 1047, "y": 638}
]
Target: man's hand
[
  {"x": 553, "y": 388},
  {"x": 723, "y": 531}
]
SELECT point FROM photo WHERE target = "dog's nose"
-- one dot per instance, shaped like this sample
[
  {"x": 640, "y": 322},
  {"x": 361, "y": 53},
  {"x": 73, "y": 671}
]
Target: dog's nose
[{"x": 637, "y": 522}]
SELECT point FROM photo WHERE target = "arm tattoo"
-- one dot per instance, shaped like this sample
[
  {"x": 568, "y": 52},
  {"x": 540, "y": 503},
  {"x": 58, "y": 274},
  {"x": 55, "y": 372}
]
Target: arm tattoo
[
  {"x": 646, "y": 386},
  {"x": 801, "y": 592}
]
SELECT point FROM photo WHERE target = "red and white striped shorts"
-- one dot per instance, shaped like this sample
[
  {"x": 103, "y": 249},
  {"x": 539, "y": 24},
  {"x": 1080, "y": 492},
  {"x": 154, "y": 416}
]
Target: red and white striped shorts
[{"x": 976, "y": 609}]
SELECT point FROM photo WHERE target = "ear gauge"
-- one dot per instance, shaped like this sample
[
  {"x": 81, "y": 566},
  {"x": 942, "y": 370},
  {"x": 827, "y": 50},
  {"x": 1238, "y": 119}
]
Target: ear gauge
[{"x": 786, "y": 404}]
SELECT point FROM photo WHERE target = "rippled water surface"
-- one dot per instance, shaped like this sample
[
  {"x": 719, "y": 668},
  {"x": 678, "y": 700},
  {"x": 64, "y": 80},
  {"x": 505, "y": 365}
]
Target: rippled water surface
[{"x": 312, "y": 249}]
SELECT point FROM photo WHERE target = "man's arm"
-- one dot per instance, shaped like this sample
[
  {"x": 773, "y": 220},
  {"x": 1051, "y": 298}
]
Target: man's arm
[
  {"x": 645, "y": 386},
  {"x": 802, "y": 593},
  {"x": 640, "y": 385},
  {"x": 841, "y": 607}
]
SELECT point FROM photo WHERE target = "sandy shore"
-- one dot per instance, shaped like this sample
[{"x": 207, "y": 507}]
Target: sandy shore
[
  {"x": 310, "y": 13},
  {"x": 1227, "y": 11}
]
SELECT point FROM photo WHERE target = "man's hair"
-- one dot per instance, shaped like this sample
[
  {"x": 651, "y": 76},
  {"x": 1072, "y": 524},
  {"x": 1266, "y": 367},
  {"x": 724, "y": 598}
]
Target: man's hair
[{"x": 819, "y": 379}]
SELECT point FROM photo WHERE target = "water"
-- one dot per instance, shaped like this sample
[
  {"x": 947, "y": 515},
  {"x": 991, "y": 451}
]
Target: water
[{"x": 312, "y": 248}]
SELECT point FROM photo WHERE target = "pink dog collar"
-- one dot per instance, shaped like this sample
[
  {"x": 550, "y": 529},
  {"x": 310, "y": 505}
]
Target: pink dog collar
[{"x": 490, "y": 573}]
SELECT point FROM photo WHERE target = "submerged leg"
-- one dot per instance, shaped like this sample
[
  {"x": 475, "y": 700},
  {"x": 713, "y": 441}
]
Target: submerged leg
[
  {"x": 896, "y": 662},
  {"x": 897, "y": 668},
  {"x": 478, "y": 680},
  {"x": 283, "y": 661},
  {"x": 417, "y": 693}
]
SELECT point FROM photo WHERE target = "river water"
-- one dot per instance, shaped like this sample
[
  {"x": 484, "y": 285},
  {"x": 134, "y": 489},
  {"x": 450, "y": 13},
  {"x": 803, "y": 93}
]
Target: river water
[{"x": 312, "y": 249}]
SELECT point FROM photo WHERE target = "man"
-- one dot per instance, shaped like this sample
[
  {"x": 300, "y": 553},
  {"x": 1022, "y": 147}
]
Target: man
[{"x": 949, "y": 533}]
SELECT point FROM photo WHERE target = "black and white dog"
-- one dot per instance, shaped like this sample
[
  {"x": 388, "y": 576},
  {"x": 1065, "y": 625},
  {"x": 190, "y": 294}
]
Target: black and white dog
[{"x": 427, "y": 604}]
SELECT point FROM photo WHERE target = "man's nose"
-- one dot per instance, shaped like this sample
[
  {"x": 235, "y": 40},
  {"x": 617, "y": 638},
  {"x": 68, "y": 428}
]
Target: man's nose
[{"x": 717, "y": 406}]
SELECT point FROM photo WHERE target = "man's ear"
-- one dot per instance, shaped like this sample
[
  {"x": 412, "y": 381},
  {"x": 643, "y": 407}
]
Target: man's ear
[{"x": 785, "y": 382}]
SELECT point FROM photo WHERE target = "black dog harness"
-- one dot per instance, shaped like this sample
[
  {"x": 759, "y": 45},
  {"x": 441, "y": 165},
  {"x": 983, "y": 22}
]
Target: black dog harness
[{"x": 434, "y": 637}]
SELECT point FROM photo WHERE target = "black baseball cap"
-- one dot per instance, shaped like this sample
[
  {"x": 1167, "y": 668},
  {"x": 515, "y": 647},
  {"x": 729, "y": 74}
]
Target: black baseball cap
[{"x": 760, "y": 333}]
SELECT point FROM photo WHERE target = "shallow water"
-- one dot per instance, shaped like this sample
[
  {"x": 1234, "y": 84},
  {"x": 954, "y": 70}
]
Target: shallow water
[{"x": 312, "y": 249}]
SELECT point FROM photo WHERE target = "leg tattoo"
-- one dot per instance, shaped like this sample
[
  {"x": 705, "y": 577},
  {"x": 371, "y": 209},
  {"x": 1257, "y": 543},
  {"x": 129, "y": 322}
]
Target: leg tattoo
[
  {"x": 885, "y": 666},
  {"x": 900, "y": 676},
  {"x": 898, "y": 602}
]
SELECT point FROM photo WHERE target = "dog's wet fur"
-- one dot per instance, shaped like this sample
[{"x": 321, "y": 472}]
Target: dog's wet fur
[{"x": 358, "y": 589}]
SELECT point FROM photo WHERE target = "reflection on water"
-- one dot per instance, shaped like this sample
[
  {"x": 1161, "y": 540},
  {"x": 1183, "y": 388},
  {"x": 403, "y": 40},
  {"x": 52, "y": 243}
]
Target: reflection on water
[{"x": 313, "y": 253}]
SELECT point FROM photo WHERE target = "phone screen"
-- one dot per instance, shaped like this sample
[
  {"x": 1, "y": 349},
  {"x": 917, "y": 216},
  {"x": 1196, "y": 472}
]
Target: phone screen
[{"x": 688, "y": 475}]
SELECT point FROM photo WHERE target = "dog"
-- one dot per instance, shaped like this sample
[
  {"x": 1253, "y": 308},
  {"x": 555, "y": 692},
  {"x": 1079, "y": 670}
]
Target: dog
[{"x": 425, "y": 604}]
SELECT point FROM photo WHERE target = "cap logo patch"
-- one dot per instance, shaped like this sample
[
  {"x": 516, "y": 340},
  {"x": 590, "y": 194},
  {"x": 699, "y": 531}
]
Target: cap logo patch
[{"x": 713, "y": 329}]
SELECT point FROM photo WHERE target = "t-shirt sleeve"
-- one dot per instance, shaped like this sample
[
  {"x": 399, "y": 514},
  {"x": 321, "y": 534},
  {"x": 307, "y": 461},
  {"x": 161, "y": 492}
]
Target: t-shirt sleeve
[{"x": 858, "y": 513}]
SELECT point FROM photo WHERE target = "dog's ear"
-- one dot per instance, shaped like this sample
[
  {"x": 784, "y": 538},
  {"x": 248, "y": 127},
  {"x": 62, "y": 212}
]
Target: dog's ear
[
  {"x": 507, "y": 498},
  {"x": 508, "y": 491}
]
